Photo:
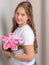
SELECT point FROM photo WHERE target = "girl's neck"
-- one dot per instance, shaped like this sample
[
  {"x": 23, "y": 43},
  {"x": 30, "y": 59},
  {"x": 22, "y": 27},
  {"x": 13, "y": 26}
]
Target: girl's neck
[{"x": 22, "y": 25}]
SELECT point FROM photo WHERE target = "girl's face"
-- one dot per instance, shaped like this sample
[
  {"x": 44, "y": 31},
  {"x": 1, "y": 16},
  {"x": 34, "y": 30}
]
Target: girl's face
[{"x": 21, "y": 16}]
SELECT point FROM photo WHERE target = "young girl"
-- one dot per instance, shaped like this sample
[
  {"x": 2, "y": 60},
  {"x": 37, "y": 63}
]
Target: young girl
[{"x": 23, "y": 26}]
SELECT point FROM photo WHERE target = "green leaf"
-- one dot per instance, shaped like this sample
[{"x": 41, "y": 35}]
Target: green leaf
[{"x": 20, "y": 47}]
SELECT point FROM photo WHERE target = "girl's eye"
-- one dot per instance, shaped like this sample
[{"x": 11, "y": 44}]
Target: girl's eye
[{"x": 17, "y": 13}]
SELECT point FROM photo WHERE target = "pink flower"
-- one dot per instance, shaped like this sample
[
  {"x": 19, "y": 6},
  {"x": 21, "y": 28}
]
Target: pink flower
[
  {"x": 21, "y": 41},
  {"x": 14, "y": 47},
  {"x": 16, "y": 41},
  {"x": 11, "y": 42},
  {"x": 3, "y": 38},
  {"x": 11, "y": 35},
  {"x": 5, "y": 46}
]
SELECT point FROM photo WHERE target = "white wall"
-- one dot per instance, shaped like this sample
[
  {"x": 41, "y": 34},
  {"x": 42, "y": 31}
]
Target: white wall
[
  {"x": 6, "y": 16},
  {"x": 45, "y": 32}
]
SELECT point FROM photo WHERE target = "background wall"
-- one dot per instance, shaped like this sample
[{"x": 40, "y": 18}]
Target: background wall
[
  {"x": 41, "y": 19},
  {"x": 45, "y": 30}
]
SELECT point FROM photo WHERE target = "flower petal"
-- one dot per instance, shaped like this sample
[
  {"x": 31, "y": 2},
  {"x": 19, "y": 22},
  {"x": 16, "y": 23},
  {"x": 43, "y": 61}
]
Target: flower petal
[
  {"x": 14, "y": 47},
  {"x": 21, "y": 41},
  {"x": 5, "y": 46},
  {"x": 3, "y": 38}
]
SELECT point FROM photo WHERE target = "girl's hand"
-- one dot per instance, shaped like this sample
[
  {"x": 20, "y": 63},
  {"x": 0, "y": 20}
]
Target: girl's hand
[{"x": 7, "y": 54}]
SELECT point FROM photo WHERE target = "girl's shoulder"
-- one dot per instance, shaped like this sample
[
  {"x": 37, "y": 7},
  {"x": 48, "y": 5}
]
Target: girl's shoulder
[
  {"x": 27, "y": 29},
  {"x": 28, "y": 35},
  {"x": 27, "y": 32}
]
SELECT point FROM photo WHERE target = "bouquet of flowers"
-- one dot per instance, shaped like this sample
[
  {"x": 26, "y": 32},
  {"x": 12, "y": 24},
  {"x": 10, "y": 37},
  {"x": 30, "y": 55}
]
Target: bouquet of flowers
[{"x": 10, "y": 43}]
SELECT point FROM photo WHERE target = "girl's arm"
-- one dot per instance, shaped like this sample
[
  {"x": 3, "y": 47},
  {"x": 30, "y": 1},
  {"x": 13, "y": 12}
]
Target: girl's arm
[{"x": 28, "y": 55}]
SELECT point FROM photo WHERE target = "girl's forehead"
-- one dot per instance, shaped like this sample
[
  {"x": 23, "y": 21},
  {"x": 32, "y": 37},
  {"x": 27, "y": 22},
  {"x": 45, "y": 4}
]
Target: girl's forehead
[{"x": 21, "y": 9}]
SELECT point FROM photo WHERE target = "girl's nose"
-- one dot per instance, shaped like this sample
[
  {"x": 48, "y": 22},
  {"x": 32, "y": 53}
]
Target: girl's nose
[{"x": 19, "y": 16}]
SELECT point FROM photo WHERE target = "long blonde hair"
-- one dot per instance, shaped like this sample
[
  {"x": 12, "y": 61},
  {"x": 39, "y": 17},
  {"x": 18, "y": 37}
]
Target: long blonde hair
[{"x": 28, "y": 9}]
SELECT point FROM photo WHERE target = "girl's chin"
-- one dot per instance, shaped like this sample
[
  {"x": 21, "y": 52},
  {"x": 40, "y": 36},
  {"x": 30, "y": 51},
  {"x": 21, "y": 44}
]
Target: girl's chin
[{"x": 19, "y": 22}]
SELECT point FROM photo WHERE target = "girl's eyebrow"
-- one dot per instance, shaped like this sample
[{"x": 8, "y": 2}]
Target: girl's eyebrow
[{"x": 21, "y": 13}]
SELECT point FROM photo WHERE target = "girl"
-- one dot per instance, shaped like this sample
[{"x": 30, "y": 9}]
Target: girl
[{"x": 23, "y": 26}]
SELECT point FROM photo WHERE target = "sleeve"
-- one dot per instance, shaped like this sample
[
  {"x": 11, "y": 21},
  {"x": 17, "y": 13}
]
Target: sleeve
[{"x": 28, "y": 37}]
